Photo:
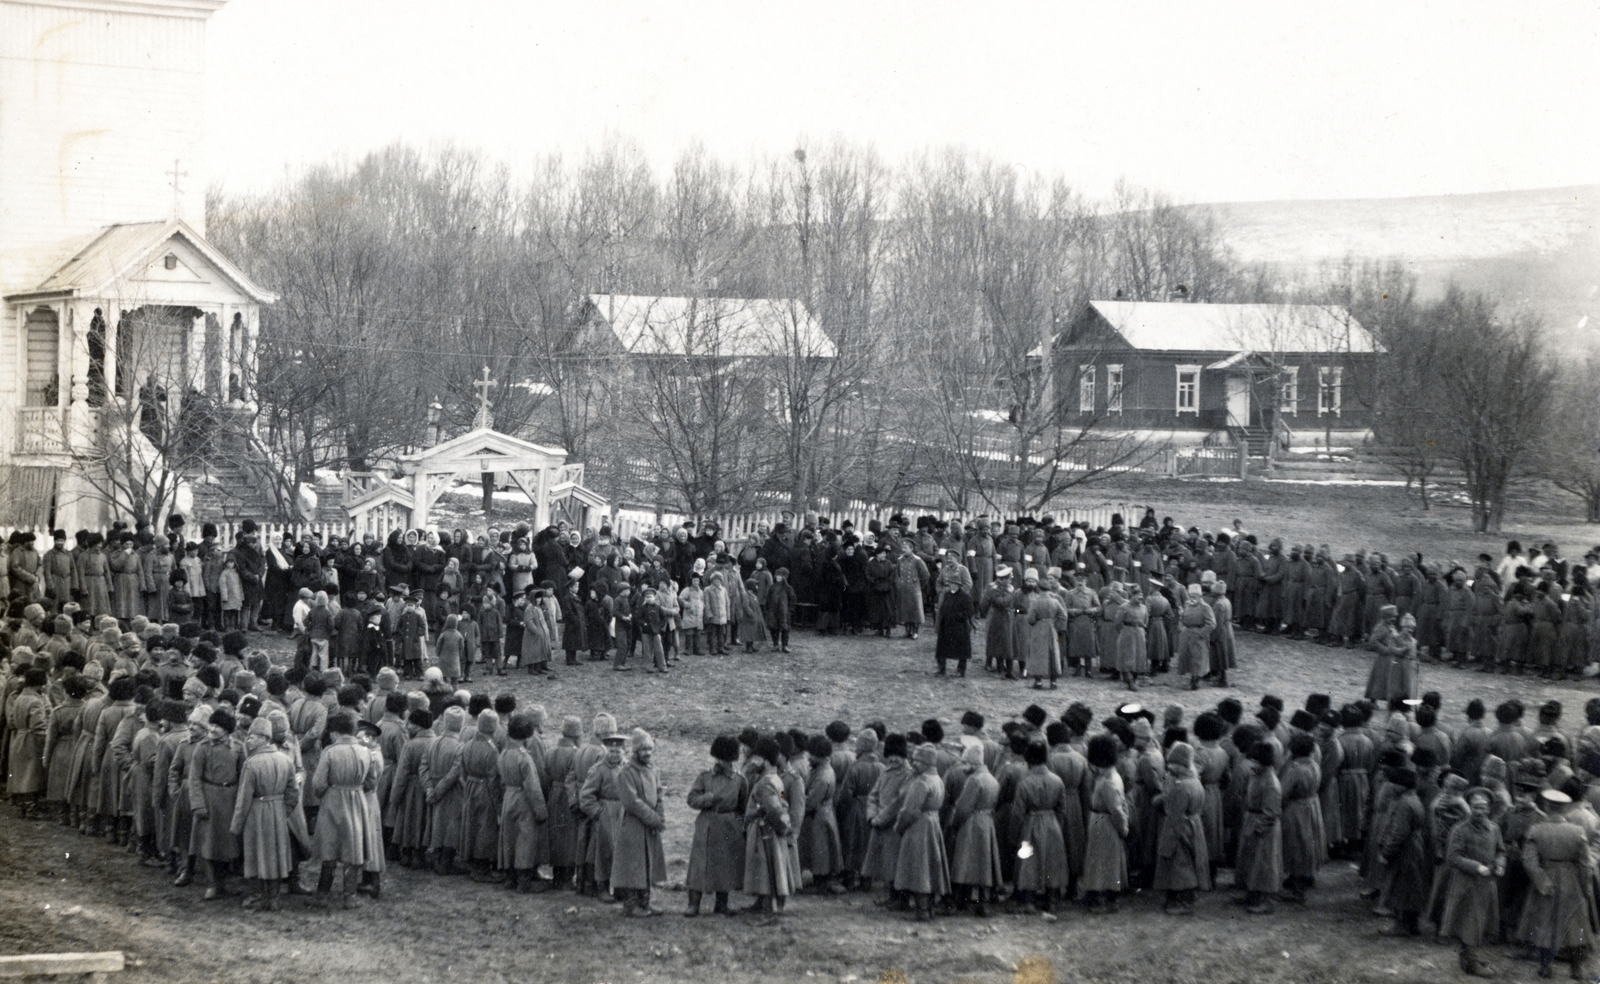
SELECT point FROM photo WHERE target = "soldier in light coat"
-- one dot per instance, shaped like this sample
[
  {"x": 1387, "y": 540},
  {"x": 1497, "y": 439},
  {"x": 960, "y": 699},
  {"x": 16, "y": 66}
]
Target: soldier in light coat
[{"x": 638, "y": 863}]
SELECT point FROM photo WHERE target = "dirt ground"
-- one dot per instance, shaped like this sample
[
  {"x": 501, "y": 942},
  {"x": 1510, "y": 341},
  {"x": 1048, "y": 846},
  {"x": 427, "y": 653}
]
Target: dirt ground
[{"x": 63, "y": 892}]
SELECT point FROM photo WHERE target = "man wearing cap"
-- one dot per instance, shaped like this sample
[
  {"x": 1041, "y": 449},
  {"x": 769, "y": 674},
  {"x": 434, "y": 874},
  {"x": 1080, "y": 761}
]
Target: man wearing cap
[
  {"x": 996, "y": 606},
  {"x": 600, "y": 802},
  {"x": 260, "y": 819},
  {"x": 638, "y": 862},
  {"x": 181, "y": 818},
  {"x": 1558, "y": 914},
  {"x": 560, "y": 799},
  {"x": 344, "y": 826},
  {"x": 213, "y": 779},
  {"x": 1475, "y": 859},
  {"x": 921, "y": 868}
]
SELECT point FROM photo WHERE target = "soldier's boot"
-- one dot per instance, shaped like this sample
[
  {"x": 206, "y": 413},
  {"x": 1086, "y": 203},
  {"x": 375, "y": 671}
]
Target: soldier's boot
[{"x": 219, "y": 880}]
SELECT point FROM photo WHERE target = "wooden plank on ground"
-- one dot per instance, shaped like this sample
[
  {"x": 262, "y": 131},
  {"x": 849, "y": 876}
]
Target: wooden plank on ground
[{"x": 28, "y": 965}]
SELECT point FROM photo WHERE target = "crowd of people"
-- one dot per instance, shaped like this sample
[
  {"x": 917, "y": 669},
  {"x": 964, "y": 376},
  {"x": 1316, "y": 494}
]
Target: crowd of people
[
  {"x": 1128, "y": 600},
  {"x": 212, "y": 763},
  {"x": 144, "y": 716}
]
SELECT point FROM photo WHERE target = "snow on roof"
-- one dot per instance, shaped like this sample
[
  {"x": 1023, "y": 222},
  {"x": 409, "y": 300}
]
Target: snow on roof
[
  {"x": 712, "y": 326},
  {"x": 117, "y": 251},
  {"x": 1262, "y": 328}
]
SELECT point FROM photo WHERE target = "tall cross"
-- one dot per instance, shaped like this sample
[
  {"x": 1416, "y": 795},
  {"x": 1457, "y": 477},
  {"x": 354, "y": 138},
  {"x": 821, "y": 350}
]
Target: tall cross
[
  {"x": 177, "y": 177},
  {"x": 483, "y": 419}
]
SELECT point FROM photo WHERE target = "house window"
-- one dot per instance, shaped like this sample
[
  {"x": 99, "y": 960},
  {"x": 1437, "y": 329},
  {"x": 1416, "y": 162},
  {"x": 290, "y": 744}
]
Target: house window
[
  {"x": 1189, "y": 389},
  {"x": 1086, "y": 389},
  {"x": 1113, "y": 389},
  {"x": 1289, "y": 391},
  {"x": 1330, "y": 384}
]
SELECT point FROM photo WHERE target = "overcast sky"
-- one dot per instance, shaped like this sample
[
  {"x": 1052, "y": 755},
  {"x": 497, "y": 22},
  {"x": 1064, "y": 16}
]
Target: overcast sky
[{"x": 1209, "y": 102}]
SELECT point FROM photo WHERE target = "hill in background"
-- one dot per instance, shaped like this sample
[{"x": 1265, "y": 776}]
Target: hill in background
[{"x": 1539, "y": 249}]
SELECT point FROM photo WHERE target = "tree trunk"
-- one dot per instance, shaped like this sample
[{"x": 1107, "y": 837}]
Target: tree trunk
[
  {"x": 1422, "y": 489},
  {"x": 488, "y": 493},
  {"x": 1592, "y": 501}
]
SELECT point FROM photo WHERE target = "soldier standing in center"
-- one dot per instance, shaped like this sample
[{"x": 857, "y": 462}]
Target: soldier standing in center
[
  {"x": 716, "y": 855},
  {"x": 260, "y": 817},
  {"x": 213, "y": 775},
  {"x": 638, "y": 863},
  {"x": 522, "y": 807}
]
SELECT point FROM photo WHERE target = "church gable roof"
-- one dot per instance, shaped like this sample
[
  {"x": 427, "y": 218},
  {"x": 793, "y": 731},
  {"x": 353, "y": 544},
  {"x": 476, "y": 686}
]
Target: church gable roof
[{"x": 118, "y": 253}]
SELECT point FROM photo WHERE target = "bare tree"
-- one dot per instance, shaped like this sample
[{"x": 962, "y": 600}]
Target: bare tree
[
  {"x": 1571, "y": 456},
  {"x": 1496, "y": 384}
]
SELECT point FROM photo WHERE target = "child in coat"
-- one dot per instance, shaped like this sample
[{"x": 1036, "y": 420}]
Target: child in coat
[
  {"x": 691, "y": 615},
  {"x": 448, "y": 649},
  {"x": 232, "y": 593},
  {"x": 780, "y": 608},
  {"x": 472, "y": 644},
  {"x": 491, "y": 633}
]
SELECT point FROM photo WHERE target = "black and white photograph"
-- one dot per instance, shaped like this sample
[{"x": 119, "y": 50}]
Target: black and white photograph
[{"x": 836, "y": 493}]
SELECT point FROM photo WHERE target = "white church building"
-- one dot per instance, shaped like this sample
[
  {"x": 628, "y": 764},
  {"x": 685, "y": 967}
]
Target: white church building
[{"x": 112, "y": 298}]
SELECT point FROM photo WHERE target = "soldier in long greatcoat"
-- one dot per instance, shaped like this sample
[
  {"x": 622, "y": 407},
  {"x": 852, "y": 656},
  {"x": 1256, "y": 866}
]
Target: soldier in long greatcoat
[
  {"x": 716, "y": 854},
  {"x": 766, "y": 819},
  {"x": 1260, "y": 863},
  {"x": 445, "y": 801},
  {"x": 407, "y": 805},
  {"x": 1105, "y": 869},
  {"x": 638, "y": 863},
  {"x": 1045, "y": 873},
  {"x": 975, "y": 859},
  {"x": 260, "y": 813},
  {"x": 344, "y": 830},
  {"x": 523, "y": 811},
  {"x": 213, "y": 779},
  {"x": 883, "y": 808},
  {"x": 921, "y": 868},
  {"x": 561, "y": 832},
  {"x": 1183, "y": 862},
  {"x": 600, "y": 802}
]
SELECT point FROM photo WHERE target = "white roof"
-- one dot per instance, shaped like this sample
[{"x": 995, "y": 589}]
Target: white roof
[
  {"x": 713, "y": 326},
  {"x": 1262, "y": 328}
]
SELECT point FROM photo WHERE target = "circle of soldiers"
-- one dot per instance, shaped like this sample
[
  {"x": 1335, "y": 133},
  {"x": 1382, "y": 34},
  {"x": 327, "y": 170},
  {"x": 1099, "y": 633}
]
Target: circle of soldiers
[{"x": 242, "y": 769}]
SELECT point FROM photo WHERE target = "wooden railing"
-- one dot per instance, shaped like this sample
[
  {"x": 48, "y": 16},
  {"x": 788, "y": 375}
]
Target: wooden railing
[{"x": 42, "y": 430}]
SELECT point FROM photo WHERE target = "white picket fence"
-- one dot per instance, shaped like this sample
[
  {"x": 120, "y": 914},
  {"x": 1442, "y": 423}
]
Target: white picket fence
[
  {"x": 627, "y": 523},
  {"x": 734, "y": 527}
]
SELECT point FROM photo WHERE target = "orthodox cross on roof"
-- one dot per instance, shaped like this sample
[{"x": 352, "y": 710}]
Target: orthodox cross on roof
[
  {"x": 177, "y": 177},
  {"x": 484, "y": 417}
]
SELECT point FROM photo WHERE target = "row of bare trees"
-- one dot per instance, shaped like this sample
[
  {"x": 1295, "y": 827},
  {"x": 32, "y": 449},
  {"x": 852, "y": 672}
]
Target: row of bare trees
[
  {"x": 405, "y": 273},
  {"x": 940, "y": 284}
]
